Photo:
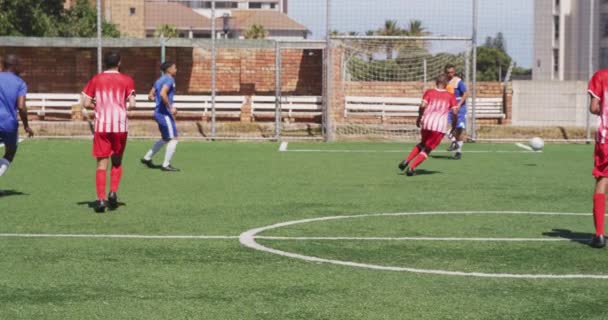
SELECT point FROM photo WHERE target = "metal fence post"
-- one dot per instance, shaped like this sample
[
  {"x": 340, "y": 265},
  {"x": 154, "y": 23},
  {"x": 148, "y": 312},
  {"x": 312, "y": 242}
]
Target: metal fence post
[
  {"x": 590, "y": 70},
  {"x": 278, "y": 111},
  {"x": 213, "y": 71},
  {"x": 327, "y": 121},
  {"x": 474, "y": 79},
  {"x": 99, "y": 35}
]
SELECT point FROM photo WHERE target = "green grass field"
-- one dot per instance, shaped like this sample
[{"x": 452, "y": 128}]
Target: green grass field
[{"x": 226, "y": 189}]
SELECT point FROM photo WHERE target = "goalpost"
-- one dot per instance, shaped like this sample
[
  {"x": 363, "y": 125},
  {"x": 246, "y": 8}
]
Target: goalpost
[{"x": 380, "y": 80}]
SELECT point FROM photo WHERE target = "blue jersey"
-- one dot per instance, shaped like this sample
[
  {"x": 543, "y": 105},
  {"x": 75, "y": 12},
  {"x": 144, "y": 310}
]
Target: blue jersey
[
  {"x": 161, "y": 108},
  {"x": 457, "y": 87},
  {"x": 11, "y": 88}
]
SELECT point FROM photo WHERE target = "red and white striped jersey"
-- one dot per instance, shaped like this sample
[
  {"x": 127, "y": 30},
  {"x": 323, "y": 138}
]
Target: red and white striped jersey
[
  {"x": 110, "y": 90},
  {"x": 439, "y": 103},
  {"x": 598, "y": 87}
]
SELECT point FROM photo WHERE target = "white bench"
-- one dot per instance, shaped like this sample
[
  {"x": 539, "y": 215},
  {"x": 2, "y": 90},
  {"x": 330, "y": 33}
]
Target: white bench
[
  {"x": 43, "y": 104},
  {"x": 292, "y": 106},
  {"x": 485, "y": 108}
]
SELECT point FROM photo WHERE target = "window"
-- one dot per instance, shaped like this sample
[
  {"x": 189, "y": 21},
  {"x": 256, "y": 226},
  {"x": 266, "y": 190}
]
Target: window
[
  {"x": 603, "y": 58},
  {"x": 132, "y": 11},
  {"x": 556, "y": 27},
  {"x": 222, "y": 5},
  {"x": 255, "y": 5},
  {"x": 273, "y": 6},
  {"x": 604, "y": 25},
  {"x": 556, "y": 61}
]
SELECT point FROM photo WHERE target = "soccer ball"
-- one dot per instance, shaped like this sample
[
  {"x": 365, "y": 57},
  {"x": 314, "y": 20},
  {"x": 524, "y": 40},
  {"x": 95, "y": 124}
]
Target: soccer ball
[{"x": 537, "y": 144}]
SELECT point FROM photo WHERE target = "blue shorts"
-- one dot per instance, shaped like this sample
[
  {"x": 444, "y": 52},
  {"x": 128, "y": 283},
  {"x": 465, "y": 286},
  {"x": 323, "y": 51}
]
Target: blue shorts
[
  {"x": 166, "y": 125},
  {"x": 462, "y": 118},
  {"x": 9, "y": 138}
]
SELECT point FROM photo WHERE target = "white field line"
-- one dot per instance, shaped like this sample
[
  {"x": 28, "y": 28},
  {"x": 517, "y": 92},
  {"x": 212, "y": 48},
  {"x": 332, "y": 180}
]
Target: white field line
[
  {"x": 402, "y": 151},
  {"x": 248, "y": 238},
  {"x": 450, "y": 239},
  {"x": 523, "y": 146},
  {"x": 113, "y": 236}
]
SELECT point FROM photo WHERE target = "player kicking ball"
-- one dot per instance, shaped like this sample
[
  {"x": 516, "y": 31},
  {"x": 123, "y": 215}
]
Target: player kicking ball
[
  {"x": 108, "y": 93},
  {"x": 433, "y": 120},
  {"x": 164, "y": 114},
  {"x": 12, "y": 99}
]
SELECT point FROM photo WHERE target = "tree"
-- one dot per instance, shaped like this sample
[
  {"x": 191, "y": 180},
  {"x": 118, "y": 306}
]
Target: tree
[
  {"x": 390, "y": 28},
  {"x": 492, "y": 64},
  {"x": 167, "y": 31},
  {"x": 81, "y": 21},
  {"x": 256, "y": 31}
]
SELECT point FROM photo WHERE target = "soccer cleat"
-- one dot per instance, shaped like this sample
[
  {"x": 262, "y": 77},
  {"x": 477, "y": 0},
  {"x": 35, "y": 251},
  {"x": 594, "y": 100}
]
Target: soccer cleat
[
  {"x": 453, "y": 146},
  {"x": 170, "y": 168},
  {"x": 598, "y": 242},
  {"x": 100, "y": 206},
  {"x": 410, "y": 172},
  {"x": 403, "y": 165},
  {"x": 458, "y": 156},
  {"x": 112, "y": 201},
  {"x": 148, "y": 163}
]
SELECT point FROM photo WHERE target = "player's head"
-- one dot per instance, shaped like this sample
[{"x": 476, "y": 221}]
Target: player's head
[
  {"x": 169, "y": 67},
  {"x": 442, "y": 81},
  {"x": 112, "y": 60},
  {"x": 10, "y": 63},
  {"x": 450, "y": 71}
]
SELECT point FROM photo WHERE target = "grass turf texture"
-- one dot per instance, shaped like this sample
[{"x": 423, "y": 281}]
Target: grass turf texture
[{"x": 227, "y": 188}]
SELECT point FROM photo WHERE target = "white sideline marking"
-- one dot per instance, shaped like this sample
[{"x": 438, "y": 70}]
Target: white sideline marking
[
  {"x": 402, "y": 151},
  {"x": 523, "y": 146},
  {"x": 451, "y": 239},
  {"x": 247, "y": 239},
  {"x": 283, "y": 146},
  {"x": 113, "y": 236},
  {"x": 2, "y": 144}
]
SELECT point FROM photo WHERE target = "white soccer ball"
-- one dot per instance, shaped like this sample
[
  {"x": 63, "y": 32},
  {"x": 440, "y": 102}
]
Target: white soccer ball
[{"x": 537, "y": 144}]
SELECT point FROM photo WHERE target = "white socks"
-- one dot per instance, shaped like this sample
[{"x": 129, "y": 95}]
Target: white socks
[
  {"x": 171, "y": 146},
  {"x": 4, "y": 164},
  {"x": 155, "y": 149},
  {"x": 459, "y": 144}
]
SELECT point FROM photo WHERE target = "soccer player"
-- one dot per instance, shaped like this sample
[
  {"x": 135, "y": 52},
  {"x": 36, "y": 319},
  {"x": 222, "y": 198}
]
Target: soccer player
[
  {"x": 163, "y": 92},
  {"x": 457, "y": 87},
  {"x": 108, "y": 93},
  {"x": 12, "y": 98},
  {"x": 433, "y": 121},
  {"x": 598, "y": 86}
]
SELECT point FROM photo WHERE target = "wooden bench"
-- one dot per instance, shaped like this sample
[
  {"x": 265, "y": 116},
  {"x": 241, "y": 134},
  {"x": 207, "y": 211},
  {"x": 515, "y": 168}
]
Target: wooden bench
[
  {"x": 47, "y": 104},
  {"x": 291, "y": 107},
  {"x": 486, "y": 108}
]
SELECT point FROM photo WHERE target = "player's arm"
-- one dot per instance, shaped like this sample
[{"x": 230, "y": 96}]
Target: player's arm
[
  {"x": 152, "y": 94},
  {"x": 164, "y": 96},
  {"x": 454, "y": 111},
  {"x": 131, "y": 102},
  {"x": 463, "y": 99},
  {"x": 594, "y": 105},
  {"x": 23, "y": 115},
  {"x": 423, "y": 106}
]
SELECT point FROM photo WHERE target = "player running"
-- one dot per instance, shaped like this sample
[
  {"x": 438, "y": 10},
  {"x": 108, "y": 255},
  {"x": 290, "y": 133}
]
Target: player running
[
  {"x": 12, "y": 98},
  {"x": 433, "y": 121},
  {"x": 163, "y": 92},
  {"x": 598, "y": 86},
  {"x": 107, "y": 93},
  {"x": 457, "y": 87}
]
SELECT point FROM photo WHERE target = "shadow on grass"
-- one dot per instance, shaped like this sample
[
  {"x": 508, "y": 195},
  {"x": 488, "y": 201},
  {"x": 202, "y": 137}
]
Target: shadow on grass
[
  {"x": 93, "y": 204},
  {"x": 9, "y": 193},
  {"x": 421, "y": 172},
  {"x": 579, "y": 237},
  {"x": 442, "y": 157}
]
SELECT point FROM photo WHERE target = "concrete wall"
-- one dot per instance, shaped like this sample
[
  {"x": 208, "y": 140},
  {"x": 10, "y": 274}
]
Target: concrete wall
[{"x": 550, "y": 103}]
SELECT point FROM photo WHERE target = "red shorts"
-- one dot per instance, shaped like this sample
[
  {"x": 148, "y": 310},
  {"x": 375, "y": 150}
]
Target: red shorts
[
  {"x": 431, "y": 139},
  {"x": 601, "y": 160},
  {"x": 106, "y": 144}
]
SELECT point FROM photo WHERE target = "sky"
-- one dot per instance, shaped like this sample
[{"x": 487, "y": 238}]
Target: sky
[{"x": 514, "y": 18}]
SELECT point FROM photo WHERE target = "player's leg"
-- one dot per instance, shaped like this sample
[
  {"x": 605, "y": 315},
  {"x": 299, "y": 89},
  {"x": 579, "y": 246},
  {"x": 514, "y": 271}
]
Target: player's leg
[
  {"x": 147, "y": 159},
  {"x": 600, "y": 171},
  {"x": 102, "y": 150},
  {"x": 119, "y": 143},
  {"x": 451, "y": 136},
  {"x": 171, "y": 144},
  {"x": 10, "y": 150},
  {"x": 431, "y": 140},
  {"x": 415, "y": 151},
  {"x": 459, "y": 133}
]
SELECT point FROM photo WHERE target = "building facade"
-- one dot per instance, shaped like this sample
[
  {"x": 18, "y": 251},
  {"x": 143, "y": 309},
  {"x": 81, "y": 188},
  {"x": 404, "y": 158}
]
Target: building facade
[{"x": 570, "y": 38}]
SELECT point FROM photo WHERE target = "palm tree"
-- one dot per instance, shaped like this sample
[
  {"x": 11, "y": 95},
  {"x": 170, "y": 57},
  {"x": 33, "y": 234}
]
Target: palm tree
[
  {"x": 391, "y": 28},
  {"x": 167, "y": 31},
  {"x": 256, "y": 31}
]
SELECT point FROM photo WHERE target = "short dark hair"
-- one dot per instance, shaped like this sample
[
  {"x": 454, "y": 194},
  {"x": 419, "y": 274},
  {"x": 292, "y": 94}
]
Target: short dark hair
[
  {"x": 166, "y": 65},
  {"x": 9, "y": 61},
  {"x": 442, "y": 79},
  {"x": 449, "y": 66},
  {"x": 112, "y": 59}
]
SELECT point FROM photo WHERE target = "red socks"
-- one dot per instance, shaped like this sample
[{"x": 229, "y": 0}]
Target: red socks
[
  {"x": 419, "y": 159},
  {"x": 414, "y": 153},
  {"x": 599, "y": 211},
  {"x": 100, "y": 184},
  {"x": 115, "y": 175}
]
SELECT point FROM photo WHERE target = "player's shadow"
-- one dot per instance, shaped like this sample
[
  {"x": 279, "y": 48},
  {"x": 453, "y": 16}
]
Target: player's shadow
[
  {"x": 422, "y": 172},
  {"x": 93, "y": 204},
  {"x": 579, "y": 237},
  {"x": 442, "y": 157},
  {"x": 9, "y": 193}
]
